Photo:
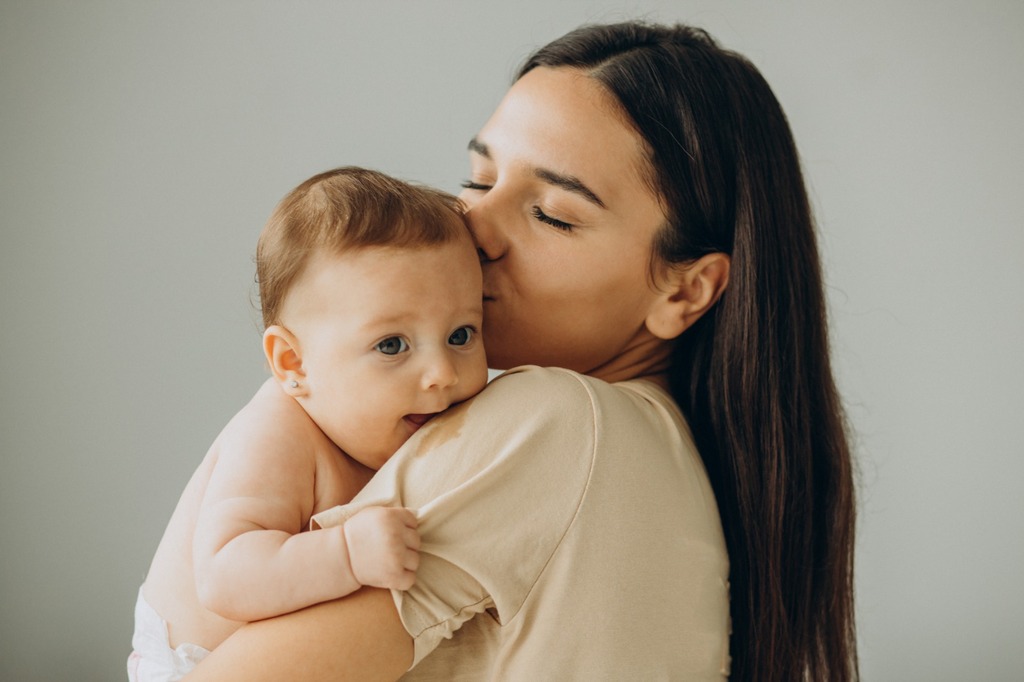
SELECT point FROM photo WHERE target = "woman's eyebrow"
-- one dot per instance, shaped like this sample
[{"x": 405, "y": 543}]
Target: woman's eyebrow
[
  {"x": 479, "y": 147},
  {"x": 570, "y": 183},
  {"x": 566, "y": 182}
]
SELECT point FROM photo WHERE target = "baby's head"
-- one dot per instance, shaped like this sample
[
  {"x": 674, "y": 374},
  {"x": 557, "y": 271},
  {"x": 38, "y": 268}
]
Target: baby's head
[{"x": 371, "y": 295}]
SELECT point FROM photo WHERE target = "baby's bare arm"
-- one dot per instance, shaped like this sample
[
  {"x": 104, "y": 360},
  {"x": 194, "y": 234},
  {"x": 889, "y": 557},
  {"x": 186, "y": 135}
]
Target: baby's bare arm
[{"x": 251, "y": 559}]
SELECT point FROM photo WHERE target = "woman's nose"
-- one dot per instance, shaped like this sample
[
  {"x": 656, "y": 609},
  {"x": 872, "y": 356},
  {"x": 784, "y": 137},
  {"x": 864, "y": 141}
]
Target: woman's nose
[
  {"x": 481, "y": 217},
  {"x": 439, "y": 373}
]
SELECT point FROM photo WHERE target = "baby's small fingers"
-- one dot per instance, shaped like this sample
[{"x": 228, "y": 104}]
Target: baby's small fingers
[
  {"x": 406, "y": 580},
  {"x": 411, "y": 560},
  {"x": 411, "y": 539},
  {"x": 407, "y": 517},
  {"x": 399, "y": 580}
]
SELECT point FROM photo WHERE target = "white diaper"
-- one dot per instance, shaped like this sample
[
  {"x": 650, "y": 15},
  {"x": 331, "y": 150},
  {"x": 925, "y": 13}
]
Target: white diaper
[{"x": 153, "y": 659}]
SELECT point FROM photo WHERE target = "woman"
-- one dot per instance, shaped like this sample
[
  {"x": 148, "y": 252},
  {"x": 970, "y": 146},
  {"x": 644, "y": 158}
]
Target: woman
[{"x": 642, "y": 220}]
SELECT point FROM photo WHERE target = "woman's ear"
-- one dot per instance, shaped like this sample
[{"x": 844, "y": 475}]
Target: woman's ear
[
  {"x": 688, "y": 291},
  {"x": 285, "y": 359}
]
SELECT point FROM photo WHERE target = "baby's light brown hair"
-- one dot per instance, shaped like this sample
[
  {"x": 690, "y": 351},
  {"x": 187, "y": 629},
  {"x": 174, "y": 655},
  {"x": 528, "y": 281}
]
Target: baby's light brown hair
[{"x": 348, "y": 208}]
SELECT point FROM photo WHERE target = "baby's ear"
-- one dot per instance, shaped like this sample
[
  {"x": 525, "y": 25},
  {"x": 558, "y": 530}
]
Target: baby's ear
[
  {"x": 688, "y": 291},
  {"x": 285, "y": 359}
]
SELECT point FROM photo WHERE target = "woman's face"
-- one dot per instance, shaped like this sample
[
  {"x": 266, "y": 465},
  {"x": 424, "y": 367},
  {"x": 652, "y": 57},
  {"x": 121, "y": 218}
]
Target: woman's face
[{"x": 564, "y": 223}]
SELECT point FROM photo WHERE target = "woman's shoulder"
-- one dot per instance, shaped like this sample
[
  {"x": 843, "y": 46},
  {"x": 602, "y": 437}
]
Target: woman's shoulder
[
  {"x": 546, "y": 406},
  {"x": 526, "y": 413},
  {"x": 529, "y": 389},
  {"x": 524, "y": 377}
]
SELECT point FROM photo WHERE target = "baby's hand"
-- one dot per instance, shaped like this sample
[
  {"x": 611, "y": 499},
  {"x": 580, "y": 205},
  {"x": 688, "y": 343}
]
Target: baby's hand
[{"x": 383, "y": 547}]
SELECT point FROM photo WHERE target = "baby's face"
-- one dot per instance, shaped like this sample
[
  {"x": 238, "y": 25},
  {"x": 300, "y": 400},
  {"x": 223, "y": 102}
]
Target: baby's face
[{"x": 388, "y": 337}]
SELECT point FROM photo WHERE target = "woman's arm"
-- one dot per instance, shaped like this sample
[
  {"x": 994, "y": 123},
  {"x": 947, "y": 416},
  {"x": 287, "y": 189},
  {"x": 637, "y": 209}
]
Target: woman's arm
[
  {"x": 359, "y": 637},
  {"x": 468, "y": 480}
]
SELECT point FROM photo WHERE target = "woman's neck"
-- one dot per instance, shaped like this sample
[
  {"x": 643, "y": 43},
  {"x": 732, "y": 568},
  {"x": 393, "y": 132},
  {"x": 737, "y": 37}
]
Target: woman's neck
[{"x": 645, "y": 357}]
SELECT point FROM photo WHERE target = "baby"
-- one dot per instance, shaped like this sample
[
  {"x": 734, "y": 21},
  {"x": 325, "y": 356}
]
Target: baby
[{"x": 370, "y": 290}]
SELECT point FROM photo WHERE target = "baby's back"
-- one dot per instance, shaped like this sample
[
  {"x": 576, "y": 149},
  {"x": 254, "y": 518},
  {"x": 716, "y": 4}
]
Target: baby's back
[{"x": 170, "y": 586}]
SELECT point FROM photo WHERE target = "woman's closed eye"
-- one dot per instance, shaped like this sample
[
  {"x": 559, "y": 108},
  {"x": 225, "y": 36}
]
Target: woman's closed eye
[
  {"x": 540, "y": 215},
  {"x": 478, "y": 186},
  {"x": 393, "y": 345}
]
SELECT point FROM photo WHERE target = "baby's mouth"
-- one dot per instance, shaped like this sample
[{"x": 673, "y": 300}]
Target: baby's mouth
[{"x": 418, "y": 420}]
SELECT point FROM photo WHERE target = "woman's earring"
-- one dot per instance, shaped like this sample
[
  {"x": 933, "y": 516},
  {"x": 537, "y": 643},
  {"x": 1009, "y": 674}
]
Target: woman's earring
[{"x": 293, "y": 383}]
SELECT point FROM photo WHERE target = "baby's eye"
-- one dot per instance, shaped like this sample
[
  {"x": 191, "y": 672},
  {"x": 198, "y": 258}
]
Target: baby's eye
[
  {"x": 461, "y": 336},
  {"x": 393, "y": 345}
]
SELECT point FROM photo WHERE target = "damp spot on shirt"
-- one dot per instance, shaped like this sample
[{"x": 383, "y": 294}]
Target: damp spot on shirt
[{"x": 442, "y": 429}]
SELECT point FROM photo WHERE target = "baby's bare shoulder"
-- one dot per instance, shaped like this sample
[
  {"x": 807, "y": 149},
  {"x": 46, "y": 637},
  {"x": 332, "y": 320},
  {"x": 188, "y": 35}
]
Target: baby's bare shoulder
[{"x": 271, "y": 425}]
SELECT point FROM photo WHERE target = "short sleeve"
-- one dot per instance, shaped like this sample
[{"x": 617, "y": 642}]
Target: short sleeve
[{"x": 496, "y": 484}]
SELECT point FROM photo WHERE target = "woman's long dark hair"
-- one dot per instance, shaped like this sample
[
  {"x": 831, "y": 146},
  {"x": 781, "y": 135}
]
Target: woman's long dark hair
[{"x": 753, "y": 375}]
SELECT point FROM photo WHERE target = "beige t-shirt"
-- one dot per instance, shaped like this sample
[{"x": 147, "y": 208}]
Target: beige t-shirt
[{"x": 569, "y": 532}]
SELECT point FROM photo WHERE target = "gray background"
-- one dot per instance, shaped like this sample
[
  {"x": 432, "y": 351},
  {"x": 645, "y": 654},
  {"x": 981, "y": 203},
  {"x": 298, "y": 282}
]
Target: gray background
[{"x": 142, "y": 145}]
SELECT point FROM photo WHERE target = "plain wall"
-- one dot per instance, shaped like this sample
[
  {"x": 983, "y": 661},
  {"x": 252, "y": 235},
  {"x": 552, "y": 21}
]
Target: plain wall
[{"x": 143, "y": 144}]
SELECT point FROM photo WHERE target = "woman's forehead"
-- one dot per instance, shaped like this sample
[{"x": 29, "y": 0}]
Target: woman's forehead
[{"x": 562, "y": 120}]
